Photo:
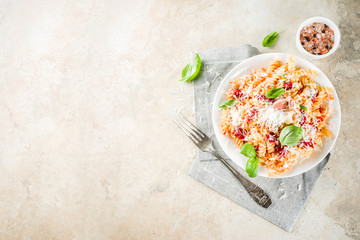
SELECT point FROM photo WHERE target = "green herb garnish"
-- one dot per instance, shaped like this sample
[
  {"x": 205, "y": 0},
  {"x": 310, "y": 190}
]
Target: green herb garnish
[
  {"x": 283, "y": 76},
  {"x": 274, "y": 92},
  {"x": 303, "y": 107},
  {"x": 270, "y": 39},
  {"x": 252, "y": 167},
  {"x": 248, "y": 150},
  {"x": 252, "y": 163},
  {"x": 191, "y": 70},
  {"x": 227, "y": 103},
  {"x": 290, "y": 135}
]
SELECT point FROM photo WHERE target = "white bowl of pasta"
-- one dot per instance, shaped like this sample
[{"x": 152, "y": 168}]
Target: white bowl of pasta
[{"x": 267, "y": 95}]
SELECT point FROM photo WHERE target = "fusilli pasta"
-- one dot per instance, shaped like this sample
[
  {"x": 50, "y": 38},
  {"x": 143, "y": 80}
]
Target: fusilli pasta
[{"x": 258, "y": 120}]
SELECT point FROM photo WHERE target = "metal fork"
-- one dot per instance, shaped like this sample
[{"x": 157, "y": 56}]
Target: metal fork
[{"x": 204, "y": 143}]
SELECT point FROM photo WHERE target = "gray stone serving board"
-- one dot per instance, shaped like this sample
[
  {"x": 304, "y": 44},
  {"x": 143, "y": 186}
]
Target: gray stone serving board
[{"x": 289, "y": 195}]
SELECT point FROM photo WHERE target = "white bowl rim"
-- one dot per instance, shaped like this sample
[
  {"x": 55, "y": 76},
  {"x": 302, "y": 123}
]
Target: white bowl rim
[
  {"x": 237, "y": 68},
  {"x": 328, "y": 22}
]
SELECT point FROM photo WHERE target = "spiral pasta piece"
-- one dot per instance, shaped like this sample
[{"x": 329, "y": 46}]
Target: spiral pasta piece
[{"x": 258, "y": 120}]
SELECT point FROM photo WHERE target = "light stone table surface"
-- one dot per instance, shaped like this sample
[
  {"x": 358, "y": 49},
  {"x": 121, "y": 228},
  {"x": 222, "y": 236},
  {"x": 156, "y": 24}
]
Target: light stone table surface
[{"x": 88, "y": 91}]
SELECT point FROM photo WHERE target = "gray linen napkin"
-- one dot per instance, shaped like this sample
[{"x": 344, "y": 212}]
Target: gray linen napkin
[{"x": 289, "y": 195}]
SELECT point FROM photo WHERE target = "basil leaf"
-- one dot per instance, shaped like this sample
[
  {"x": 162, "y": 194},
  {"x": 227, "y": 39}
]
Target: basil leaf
[
  {"x": 274, "y": 92},
  {"x": 290, "y": 135},
  {"x": 270, "y": 39},
  {"x": 191, "y": 70},
  {"x": 303, "y": 107},
  {"x": 227, "y": 103},
  {"x": 248, "y": 150},
  {"x": 252, "y": 167}
]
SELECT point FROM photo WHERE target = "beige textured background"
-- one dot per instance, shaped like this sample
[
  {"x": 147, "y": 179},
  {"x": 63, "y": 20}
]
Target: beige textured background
[{"x": 87, "y": 93}]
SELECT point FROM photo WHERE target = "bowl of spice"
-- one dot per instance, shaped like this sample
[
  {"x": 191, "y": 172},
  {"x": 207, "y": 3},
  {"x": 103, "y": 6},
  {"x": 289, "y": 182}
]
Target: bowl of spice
[{"x": 317, "y": 37}]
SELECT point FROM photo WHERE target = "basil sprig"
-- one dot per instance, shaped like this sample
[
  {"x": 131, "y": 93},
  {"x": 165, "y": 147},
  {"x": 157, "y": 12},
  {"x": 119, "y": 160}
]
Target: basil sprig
[
  {"x": 191, "y": 70},
  {"x": 248, "y": 150},
  {"x": 290, "y": 135},
  {"x": 227, "y": 103},
  {"x": 270, "y": 39},
  {"x": 303, "y": 107},
  {"x": 274, "y": 92},
  {"x": 252, "y": 167},
  {"x": 252, "y": 164}
]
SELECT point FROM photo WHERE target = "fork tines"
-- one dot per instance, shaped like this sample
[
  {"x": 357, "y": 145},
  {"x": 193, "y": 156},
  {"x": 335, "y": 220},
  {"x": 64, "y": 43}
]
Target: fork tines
[{"x": 195, "y": 134}]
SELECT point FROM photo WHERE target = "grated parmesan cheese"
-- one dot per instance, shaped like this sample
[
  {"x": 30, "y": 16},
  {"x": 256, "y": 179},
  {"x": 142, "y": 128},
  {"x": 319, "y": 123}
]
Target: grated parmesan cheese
[
  {"x": 295, "y": 85},
  {"x": 309, "y": 132},
  {"x": 235, "y": 116},
  {"x": 275, "y": 117},
  {"x": 283, "y": 196},
  {"x": 206, "y": 84},
  {"x": 310, "y": 92}
]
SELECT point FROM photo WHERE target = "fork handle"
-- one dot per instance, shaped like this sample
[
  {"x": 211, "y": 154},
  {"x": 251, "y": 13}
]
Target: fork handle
[{"x": 255, "y": 192}]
